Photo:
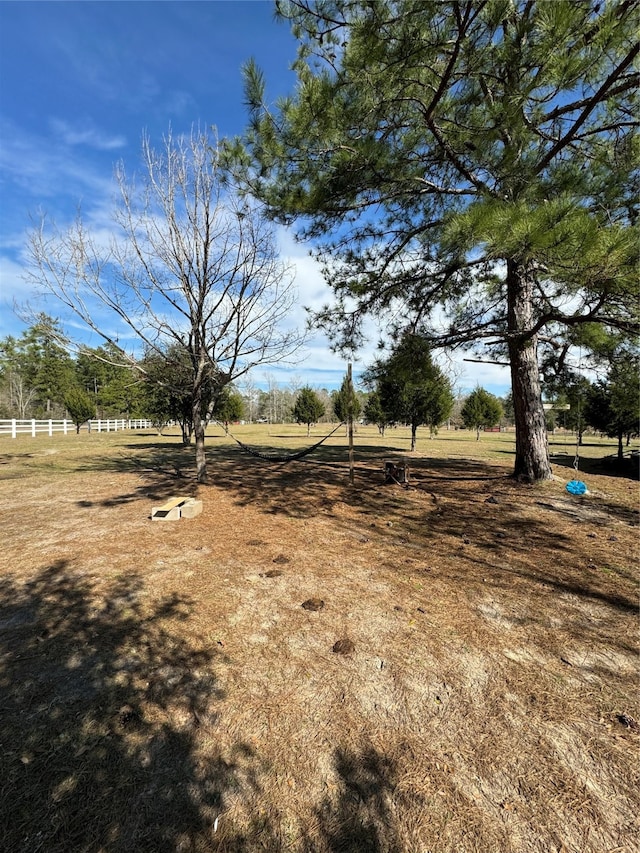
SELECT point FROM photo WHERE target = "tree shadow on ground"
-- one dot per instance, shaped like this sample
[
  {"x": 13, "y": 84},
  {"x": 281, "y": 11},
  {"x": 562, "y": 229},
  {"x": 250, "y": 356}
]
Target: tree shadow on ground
[
  {"x": 303, "y": 487},
  {"x": 361, "y": 819},
  {"x": 358, "y": 817},
  {"x": 472, "y": 509},
  {"x": 104, "y": 703},
  {"x": 474, "y": 512},
  {"x": 163, "y": 470},
  {"x": 609, "y": 466}
]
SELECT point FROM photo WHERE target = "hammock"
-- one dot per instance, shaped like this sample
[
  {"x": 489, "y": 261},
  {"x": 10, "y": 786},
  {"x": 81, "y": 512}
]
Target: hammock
[{"x": 273, "y": 457}]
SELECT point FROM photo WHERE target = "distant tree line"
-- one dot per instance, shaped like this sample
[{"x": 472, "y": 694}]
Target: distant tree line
[
  {"x": 39, "y": 378},
  {"x": 37, "y": 375}
]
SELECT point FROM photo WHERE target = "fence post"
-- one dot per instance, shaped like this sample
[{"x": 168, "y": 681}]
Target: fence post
[
  {"x": 33, "y": 428},
  {"x": 14, "y": 430},
  {"x": 64, "y": 426},
  {"x": 50, "y": 427}
]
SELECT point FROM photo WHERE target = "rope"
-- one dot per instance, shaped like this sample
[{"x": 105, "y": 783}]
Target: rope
[
  {"x": 576, "y": 486},
  {"x": 290, "y": 457},
  {"x": 576, "y": 460}
]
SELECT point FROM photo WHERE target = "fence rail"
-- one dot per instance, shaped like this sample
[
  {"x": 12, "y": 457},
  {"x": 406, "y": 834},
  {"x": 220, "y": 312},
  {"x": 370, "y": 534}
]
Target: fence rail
[{"x": 15, "y": 427}]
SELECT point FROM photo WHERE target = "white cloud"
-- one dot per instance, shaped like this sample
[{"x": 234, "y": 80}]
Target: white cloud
[
  {"x": 326, "y": 368},
  {"x": 314, "y": 294},
  {"x": 87, "y": 134},
  {"x": 43, "y": 169},
  {"x": 12, "y": 285}
]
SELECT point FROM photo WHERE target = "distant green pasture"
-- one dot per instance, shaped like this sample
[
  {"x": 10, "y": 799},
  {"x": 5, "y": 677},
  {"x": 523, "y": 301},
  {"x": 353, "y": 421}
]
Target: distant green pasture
[{"x": 60, "y": 453}]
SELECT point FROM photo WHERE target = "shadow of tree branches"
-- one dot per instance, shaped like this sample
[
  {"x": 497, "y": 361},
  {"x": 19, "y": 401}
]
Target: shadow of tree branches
[
  {"x": 362, "y": 818},
  {"x": 104, "y": 700},
  {"x": 610, "y": 466}
]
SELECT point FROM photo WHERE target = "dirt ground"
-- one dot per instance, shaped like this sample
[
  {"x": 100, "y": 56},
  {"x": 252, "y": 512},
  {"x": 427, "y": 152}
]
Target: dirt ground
[{"x": 176, "y": 686}]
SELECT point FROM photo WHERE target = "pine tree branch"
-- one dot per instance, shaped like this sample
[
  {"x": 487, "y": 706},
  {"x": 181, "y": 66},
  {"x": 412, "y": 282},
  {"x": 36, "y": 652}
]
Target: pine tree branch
[{"x": 592, "y": 102}]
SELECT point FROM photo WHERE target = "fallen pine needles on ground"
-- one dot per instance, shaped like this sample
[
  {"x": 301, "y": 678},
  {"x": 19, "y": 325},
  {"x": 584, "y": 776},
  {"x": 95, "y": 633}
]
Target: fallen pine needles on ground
[{"x": 311, "y": 666}]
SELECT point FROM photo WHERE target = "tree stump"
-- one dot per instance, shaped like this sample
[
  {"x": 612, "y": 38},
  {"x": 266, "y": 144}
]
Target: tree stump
[{"x": 396, "y": 472}]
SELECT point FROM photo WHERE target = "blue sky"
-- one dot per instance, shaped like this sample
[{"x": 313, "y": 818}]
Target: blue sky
[{"x": 81, "y": 81}]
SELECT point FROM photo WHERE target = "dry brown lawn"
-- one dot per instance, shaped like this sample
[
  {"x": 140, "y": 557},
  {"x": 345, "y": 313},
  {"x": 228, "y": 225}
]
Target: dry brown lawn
[{"x": 162, "y": 688}]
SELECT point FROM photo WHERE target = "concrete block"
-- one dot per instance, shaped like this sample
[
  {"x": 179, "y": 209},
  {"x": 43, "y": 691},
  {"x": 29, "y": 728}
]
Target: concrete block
[
  {"x": 162, "y": 513},
  {"x": 191, "y": 508}
]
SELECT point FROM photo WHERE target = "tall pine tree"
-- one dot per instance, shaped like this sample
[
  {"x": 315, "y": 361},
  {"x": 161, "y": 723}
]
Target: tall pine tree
[{"x": 469, "y": 163}]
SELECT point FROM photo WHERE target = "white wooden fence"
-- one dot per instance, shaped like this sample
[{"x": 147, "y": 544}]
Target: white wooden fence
[{"x": 16, "y": 427}]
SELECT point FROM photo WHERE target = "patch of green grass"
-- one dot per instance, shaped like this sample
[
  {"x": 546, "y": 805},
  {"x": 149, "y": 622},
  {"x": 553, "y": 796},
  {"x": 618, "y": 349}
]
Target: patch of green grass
[{"x": 60, "y": 454}]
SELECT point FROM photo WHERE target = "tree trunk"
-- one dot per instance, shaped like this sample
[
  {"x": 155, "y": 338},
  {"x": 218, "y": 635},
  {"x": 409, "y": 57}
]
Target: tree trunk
[
  {"x": 185, "y": 429},
  {"x": 620, "y": 448},
  {"x": 198, "y": 431},
  {"x": 413, "y": 437},
  {"x": 532, "y": 450}
]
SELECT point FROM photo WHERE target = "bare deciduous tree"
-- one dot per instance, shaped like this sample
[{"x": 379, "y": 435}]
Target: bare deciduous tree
[
  {"x": 189, "y": 264},
  {"x": 20, "y": 394}
]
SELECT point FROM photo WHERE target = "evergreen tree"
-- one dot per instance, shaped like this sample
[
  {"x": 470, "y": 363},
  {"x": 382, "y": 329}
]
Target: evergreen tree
[
  {"x": 168, "y": 390},
  {"x": 613, "y": 405},
  {"x": 481, "y": 409},
  {"x": 468, "y": 159},
  {"x": 229, "y": 406},
  {"x": 80, "y": 406},
  {"x": 36, "y": 369},
  {"x": 411, "y": 387},
  {"x": 115, "y": 386},
  {"x": 49, "y": 367},
  {"x": 345, "y": 402},
  {"x": 17, "y": 391},
  {"x": 308, "y": 408},
  {"x": 374, "y": 413}
]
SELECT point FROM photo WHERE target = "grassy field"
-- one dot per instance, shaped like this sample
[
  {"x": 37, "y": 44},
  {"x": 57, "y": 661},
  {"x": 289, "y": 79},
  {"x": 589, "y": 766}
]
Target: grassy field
[{"x": 314, "y": 666}]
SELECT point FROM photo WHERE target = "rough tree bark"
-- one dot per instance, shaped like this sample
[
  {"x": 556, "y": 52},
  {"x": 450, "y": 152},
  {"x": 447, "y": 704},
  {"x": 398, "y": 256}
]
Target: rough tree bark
[
  {"x": 199, "y": 427},
  {"x": 532, "y": 451}
]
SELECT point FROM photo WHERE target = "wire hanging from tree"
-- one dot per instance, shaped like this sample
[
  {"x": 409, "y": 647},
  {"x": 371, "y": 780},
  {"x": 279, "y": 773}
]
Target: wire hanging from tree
[{"x": 576, "y": 486}]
